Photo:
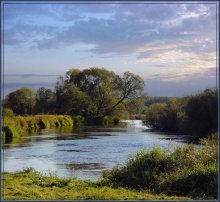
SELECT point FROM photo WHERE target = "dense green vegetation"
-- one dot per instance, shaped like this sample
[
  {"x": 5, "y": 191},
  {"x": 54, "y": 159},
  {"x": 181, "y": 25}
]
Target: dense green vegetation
[
  {"x": 193, "y": 115},
  {"x": 186, "y": 171},
  {"x": 32, "y": 185},
  {"x": 152, "y": 100},
  {"x": 92, "y": 93},
  {"x": 16, "y": 126}
]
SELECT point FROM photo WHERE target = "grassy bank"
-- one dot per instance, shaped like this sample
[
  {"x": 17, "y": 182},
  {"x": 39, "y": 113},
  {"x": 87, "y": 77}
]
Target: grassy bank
[
  {"x": 186, "y": 171},
  {"x": 31, "y": 185},
  {"x": 17, "y": 126}
]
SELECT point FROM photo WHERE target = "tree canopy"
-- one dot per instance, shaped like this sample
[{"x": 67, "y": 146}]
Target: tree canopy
[
  {"x": 21, "y": 101},
  {"x": 97, "y": 91},
  {"x": 197, "y": 114},
  {"x": 45, "y": 101},
  {"x": 91, "y": 93}
]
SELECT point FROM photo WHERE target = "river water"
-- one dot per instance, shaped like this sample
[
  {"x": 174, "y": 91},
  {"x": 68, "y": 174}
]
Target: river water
[{"x": 84, "y": 151}]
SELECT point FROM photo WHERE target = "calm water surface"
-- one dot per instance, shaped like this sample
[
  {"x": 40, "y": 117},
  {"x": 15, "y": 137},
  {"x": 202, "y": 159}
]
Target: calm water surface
[{"x": 85, "y": 151}]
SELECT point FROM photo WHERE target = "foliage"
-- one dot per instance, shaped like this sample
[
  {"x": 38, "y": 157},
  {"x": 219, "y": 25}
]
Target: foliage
[
  {"x": 31, "y": 185},
  {"x": 186, "y": 171},
  {"x": 71, "y": 101},
  {"x": 92, "y": 93},
  {"x": 78, "y": 120},
  {"x": 21, "y": 125},
  {"x": 120, "y": 112},
  {"x": 137, "y": 117},
  {"x": 45, "y": 101},
  {"x": 95, "y": 92},
  {"x": 21, "y": 101},
  {"x": 202, "y": 112},
  {"x": 8, "y": 112},
  {"x": 108, "y": 120},
  {"x": 195, "y": 115},
  {"x": 151, "y": 100},
  {"x": 154, "y": 115},
  {"x": 135, "y": 106}
]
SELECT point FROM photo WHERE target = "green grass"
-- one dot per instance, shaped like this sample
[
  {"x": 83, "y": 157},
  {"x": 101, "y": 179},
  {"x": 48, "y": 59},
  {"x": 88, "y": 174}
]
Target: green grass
[
  {"x": 32, "y": 185},
  {"x": 186, "y": 172},
  {"x": 21, "y": 125}
]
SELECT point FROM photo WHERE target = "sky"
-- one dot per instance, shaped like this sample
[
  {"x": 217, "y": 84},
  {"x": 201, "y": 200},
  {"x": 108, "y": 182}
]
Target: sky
[{"x": 171, "y": 46}]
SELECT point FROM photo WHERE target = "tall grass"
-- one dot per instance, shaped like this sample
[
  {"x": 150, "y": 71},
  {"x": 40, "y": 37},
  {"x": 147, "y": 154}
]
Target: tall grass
[
  {"x": 186, "y": 171},
  {"x": 31, "y": 185},
  {"x": 17, "y": 126}
]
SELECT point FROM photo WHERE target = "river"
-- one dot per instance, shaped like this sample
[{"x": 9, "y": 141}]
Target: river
[{"x": 84, "y": 151}]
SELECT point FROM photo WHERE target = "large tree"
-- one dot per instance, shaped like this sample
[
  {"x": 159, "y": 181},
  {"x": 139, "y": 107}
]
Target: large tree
[
  {"x": 72, "y": 101},
  {"x": 21, "y": 101},
  {"x": 45, "y": 101},
  {"x": 103, "y": 90},
  {"x": 127, "y": 86},
  {"x": 136, "y": 105}
]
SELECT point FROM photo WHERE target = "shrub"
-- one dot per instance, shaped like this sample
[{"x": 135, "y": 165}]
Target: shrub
[
  {"x": 186, "y": 171},
  {"x": 109, "y": 120},
  {"x": 78, "y": 120},
  {"x": 8, "y": 112}
]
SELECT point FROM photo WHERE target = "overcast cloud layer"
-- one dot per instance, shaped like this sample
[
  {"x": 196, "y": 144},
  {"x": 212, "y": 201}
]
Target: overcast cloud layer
[{"x": 172, "y": 46}]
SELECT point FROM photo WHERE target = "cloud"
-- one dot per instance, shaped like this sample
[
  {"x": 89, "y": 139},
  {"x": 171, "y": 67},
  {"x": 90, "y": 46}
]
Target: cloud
[
  {"x": 208, "y": 73},
  {"x": 17, "y": 12},
  {"x": 166, "y": 88},
  {"x": 191, "y": 83},
  {"x": 174, "y": 41},
  {"x": 128, "y": 30},
  {"x": 130, "y": 27},
  {"x": 24, "y": 33}
]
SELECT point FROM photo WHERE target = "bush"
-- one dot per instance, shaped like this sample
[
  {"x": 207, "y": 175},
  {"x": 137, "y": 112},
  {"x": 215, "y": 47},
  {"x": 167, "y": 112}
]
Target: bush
[
  {"x": 185, "y": 171},
  {"x": 78, "y": 120},
  {"x": 8, "y": 112},
  {"x": 199, "y": 182},
  {"x": 109, "y": 120}
]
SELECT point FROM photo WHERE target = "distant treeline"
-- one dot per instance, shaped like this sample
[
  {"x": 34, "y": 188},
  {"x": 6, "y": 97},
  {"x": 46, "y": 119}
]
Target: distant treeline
[
  {"x": 193, "y": 115},
  {"x": 152, "y": 100}
]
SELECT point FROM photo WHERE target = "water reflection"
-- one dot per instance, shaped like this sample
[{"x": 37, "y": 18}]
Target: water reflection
[{"x": 84, "y": 151}]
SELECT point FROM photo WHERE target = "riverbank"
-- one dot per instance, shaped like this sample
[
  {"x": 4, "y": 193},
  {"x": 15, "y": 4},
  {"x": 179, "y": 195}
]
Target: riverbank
[
  {"x": 31, "y": 185},
  {"x": 17, "y": 126},
  {"x": 186, "y": 173}
]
